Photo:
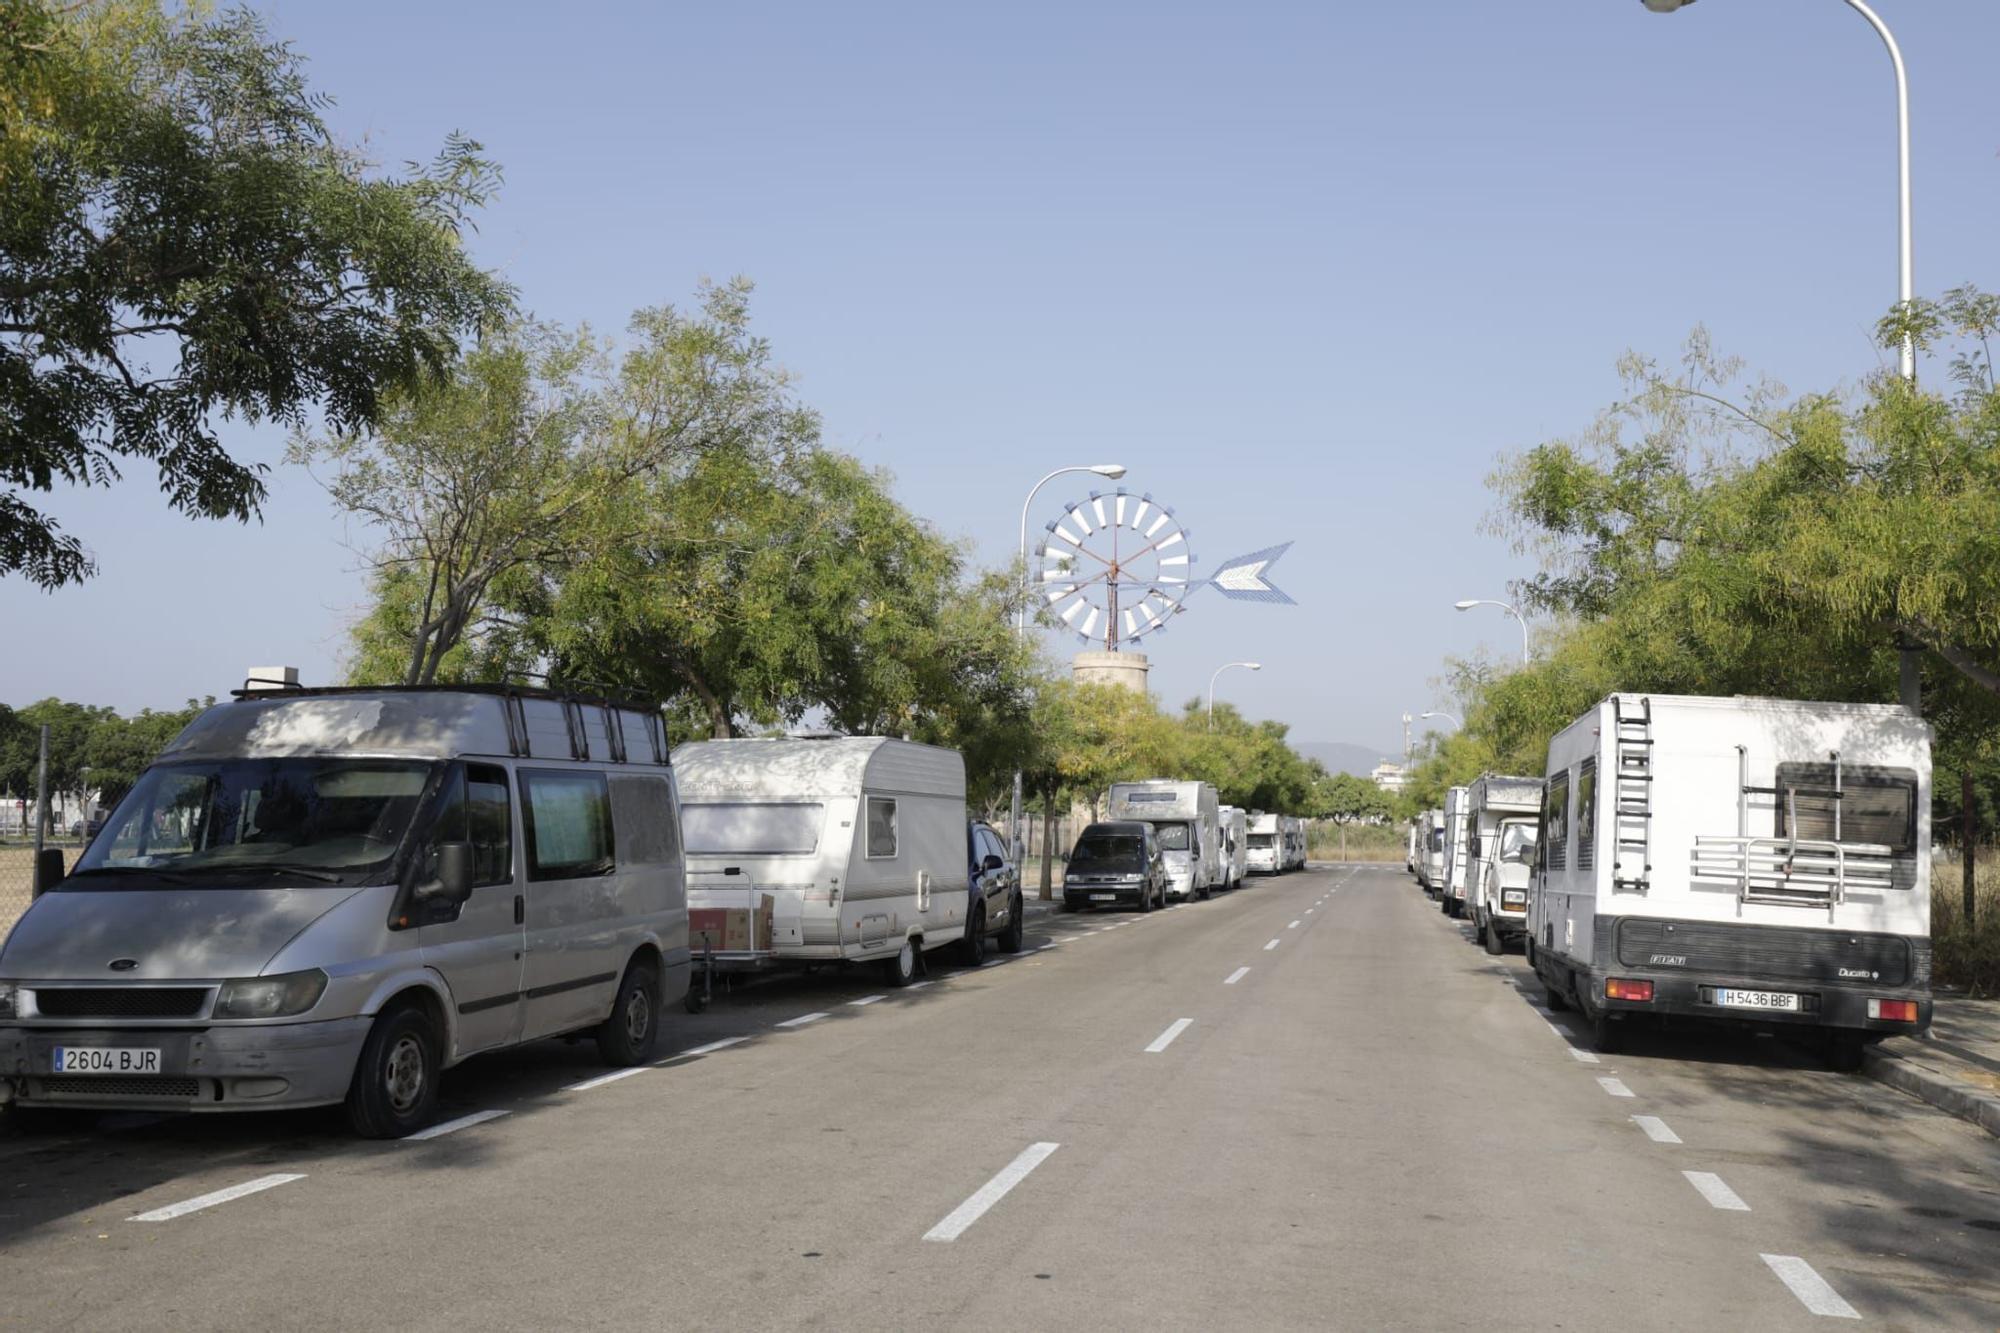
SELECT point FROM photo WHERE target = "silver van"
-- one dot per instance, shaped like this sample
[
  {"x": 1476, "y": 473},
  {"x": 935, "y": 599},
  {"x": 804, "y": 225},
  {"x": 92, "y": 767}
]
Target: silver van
[{"x": 330, "y": 895}]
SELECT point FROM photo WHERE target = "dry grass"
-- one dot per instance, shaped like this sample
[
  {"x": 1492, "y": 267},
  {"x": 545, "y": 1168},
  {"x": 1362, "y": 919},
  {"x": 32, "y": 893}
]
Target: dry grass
[
  {"x": 1966, "y": 955},
  {"x": 1365, "y": 842}
]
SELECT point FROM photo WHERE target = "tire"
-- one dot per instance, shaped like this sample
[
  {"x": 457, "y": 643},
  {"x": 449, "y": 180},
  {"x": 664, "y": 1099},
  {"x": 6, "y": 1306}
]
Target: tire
[
  {"x": 1444, "y": 904},
  {"x": 394, "y": 1090},
  {"x": 629, "y": 1035},
  {"x": 972, "y": 949},
  {"x": 1069, "y": 906},
  {"x": 1016, "y": 933},
  {"x": 1845, "y": 1051},
  {"x": 1145, "y": 899},
  {"x": 1558, "y": 1001},
  {"x": 901, "y": 968},
  {"x": 1490, "y": 937}
]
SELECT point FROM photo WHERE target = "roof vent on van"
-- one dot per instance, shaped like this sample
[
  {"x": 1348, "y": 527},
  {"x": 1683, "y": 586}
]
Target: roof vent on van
[{"x": 259, "y": 679}]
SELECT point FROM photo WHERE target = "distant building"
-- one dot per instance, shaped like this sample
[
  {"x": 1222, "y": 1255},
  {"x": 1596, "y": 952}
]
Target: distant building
[{"x": 1389, "y": 777}]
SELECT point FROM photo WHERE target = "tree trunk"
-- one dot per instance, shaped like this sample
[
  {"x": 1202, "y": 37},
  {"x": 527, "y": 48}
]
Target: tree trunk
[
  {"x": 1343, "y": 840},
  {"x": 719, "y": 727},
  {"x": 1048, "y": 843},
  {"x": 1968, "y": 827}
]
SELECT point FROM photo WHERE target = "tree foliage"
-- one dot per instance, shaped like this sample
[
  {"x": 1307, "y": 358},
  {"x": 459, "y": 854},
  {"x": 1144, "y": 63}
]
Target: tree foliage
[{"x": 181, "y": 239}]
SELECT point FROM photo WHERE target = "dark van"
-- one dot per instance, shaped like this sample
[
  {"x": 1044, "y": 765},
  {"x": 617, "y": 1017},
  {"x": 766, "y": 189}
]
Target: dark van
[{"x": 1116, "y": 864}]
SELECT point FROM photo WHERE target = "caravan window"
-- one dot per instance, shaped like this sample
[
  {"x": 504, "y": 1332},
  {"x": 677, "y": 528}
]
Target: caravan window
[
  {"x": 881, "y": 826},
  {"x": 752, "y": 828},
  {"x": 1586, "y": 815},
  {"x": 1555, "y": 822},
  {"x": 568, "y": 818},
  {"x": 1877, "y": 805}
]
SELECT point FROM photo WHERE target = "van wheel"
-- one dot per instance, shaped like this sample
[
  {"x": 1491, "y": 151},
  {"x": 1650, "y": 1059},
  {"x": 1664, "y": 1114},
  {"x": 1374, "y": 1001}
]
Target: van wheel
[
  {"x": 972, "y": 949},
  {"x": 1145, "y": 899},
  {"x": 628, "y": 1036},
  {"x": 1491, "y": 938},
  {"x": 1016, "y": 933},
  {"x": 395, "y": 1086},
  {"x": 902, "y": 969},
  {"x": 1557, "y": 1000},
  {"x": 1844, "y": 1051}
]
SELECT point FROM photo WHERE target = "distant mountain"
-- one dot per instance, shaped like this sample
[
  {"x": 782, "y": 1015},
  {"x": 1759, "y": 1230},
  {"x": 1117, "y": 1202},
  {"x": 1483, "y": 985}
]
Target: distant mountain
[{"x": 1342, "y": 757}]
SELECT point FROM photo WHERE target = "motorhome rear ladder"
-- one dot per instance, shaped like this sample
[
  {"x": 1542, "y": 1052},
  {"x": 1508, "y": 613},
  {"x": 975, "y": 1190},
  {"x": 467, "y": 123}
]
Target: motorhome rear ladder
[
  {"x": 1631, "y": 796},
  {"x": 1787, "y": 870}
]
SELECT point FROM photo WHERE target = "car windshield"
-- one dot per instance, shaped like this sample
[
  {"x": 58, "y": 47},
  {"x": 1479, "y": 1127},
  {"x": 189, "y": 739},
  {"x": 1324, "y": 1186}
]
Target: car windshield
[
  {"x": 1173, "y": 837},
  {"x": 310, "y": 821},
  {"x": 1108, "y": 849},
  {"x": 1517, "y": 841}
]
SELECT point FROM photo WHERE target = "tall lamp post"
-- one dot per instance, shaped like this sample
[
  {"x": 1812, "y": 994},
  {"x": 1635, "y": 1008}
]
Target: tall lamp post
[
  {"x": 1406, "y": 741},
  {"x": 1250, "y": 666},
  {"x": 1111, "y": 470},
  {"x": 1509, "y": 608}
]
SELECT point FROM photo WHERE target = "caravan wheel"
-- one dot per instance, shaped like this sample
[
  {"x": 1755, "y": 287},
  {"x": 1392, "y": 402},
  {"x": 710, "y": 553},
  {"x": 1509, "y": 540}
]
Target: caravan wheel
[{"x": 902, "y": 969}]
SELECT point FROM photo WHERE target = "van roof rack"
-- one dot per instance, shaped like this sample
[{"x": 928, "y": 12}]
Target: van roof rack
[{"x": 501, "y": 691}]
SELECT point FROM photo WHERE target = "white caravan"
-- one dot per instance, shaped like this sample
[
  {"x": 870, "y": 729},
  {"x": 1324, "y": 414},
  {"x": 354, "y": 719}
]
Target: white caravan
[
  {"x": 1457, "y": 861},
  {"x": 1430, "y": 859},
  {"x": 1184, "y": 815},
  {"x": 1503, "y": 816},
  {"x": 1262, "y": 856},
  {"x": 1235, "y": 845},
  {"x": 838, "y": 849},
  {"x": 1410, "y": 852},
  {"x": 1759, "y": 861},
  {"x": 1294, "y": 841}
]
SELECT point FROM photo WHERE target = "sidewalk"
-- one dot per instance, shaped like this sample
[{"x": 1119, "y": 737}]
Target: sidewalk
[{"x": 1955, "y": 1068}]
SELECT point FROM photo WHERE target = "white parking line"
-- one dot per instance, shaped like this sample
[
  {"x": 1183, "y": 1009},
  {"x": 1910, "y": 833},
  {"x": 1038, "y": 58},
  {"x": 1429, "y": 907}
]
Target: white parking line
[
  {"x": 1811, "y": 1289},
  {"x": 1236, "y": 976},
  {"x": 803, "y": 1019},
  {"x": 603, "y": 1079},
  {"x": 710, "y": 1049},
  {"x": 1615, "y": 1087},
  {"x": 958, "y": 1219},
  {"x": 453, "y": 1126},
  {"x": 1710, "y": 1187},
  {"x": 1656, "y": 1129},
  {"x": 1046, "y": 947},
  {"x": 1272, "y": 945},
  {"x": 1293, "y": 926},
  {"x": 916, "y": 985},
  {"x": 1166, "y": 1039},
  {"x": 1583, "y": 1057},
  {"x": 1311, "y": 910},
  {"x": 195, "y": 1205},
  {"x": 868, "y": 999}
]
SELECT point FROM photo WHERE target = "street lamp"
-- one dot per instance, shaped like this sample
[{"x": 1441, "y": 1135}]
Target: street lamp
[
  {"x": 1468, "y": 604},
  {"x": 1113, "y": 471},
  {"x": 1406, "y": 740},
  {"x": 1252, "y": 666},
  {"x": 1453, "y": 716},
  {"x": 1909, "y": 354}
]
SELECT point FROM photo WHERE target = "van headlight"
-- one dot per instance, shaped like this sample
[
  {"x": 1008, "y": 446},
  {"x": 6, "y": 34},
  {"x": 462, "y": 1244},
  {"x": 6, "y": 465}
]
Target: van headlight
[
  {"x": 1133, "y": 879},
  {"x": 270, "y": 997},
  {"x": 10, "y": 1000}
]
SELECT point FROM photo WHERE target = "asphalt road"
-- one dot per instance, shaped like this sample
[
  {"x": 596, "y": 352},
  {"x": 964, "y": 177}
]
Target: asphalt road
[{"x": 1373, "y": 1126}]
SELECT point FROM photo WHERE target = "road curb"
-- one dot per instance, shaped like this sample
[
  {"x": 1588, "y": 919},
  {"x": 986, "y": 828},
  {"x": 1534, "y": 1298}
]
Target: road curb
[{"x": 1935, "y": 1086}]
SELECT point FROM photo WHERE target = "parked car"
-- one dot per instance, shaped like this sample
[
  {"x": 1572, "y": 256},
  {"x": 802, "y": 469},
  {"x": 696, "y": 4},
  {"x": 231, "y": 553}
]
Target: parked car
[
  {"x": 82, "y": 828},
  {"x": 993, "y": 907},
  {"x": 1115, "y": 864}
]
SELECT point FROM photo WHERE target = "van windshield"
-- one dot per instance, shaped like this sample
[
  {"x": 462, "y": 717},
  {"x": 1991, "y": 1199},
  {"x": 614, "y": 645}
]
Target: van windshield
[
  {"x": 1108, "y": 849},
  {"x": 752, "y": 828},
  {"x": 1173, "y": 837},
  {"x": 300, "y": 821}
]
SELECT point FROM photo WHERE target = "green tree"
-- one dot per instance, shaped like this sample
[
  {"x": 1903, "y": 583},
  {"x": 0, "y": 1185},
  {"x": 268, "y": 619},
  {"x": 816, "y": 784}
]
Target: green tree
[
  {"x": 1347, "y": 799},
  {"x": 180, "y": 239},
  {"x": 118, "y": 749}
]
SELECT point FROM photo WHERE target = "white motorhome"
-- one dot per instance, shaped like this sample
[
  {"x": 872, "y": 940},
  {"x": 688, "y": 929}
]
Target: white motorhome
[
  {"x": 1430, "y": 858},
  {"x": 1235, "y": 845},
  {"x": 1261, "y": 856},
  {"x": 1457, "y": 862},
  {"x": 1503, "y": 814},
  {"x": 1758, "y": 861},
  {"x": 1184, "y": 816},
  {"x": 1410, "y": 851},
  {"x": 1293, "y": 841},
  {"x": 837, "y": 849}
]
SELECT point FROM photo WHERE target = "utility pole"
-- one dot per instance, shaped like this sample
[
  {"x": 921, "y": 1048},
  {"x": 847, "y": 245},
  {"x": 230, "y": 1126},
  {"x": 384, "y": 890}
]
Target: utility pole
[
  {"x": 42, "y": 793},
  {"x": 1968, "y": 825}
]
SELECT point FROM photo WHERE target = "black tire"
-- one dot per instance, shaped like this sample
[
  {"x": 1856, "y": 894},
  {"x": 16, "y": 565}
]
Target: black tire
[
  {"x": 1845, "y": 1051},
  {"x": 629, "y": 1035},
  {"x": 1557, "y": 1000},
  {"x": 1068, "y": 906},
  {"x": 1145, "y": 899},
  {"x": 901, "y": 968},
  {"x": 394, "y": 1090},
  {"x": 1444, "y": 904},
  {"x": 972, "y": 949},
  {"x": 1490, "y": 937},
  {"x": 1016, "y": 932},
  {"x": 1607, "y": 1034}
]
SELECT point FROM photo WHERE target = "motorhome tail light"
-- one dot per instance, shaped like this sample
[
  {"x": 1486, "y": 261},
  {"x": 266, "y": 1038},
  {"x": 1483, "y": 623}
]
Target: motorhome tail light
[
  {"x": 1618, "y": 988},
  {"x": 1894, "y": 1011}
]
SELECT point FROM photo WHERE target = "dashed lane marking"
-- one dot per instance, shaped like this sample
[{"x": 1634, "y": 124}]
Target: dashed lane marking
[
  {"x": 1616, "y": 1087},
  {"x": 199, "y": 1202},
  {"x": 1812, "y": 1290},
  {"x": 603, "y": 1079},
  {"x": 958, "y": 1219},
  {"x": 709, "y": 1048},
  {"x": 1166, "y": 1039},
  {"x": 453, "y": 1126},
  {"x": 1656, "y": 1129},
  {"x": 1293, "y": 926},
  {"x": 1710, "y": 1187},
  {"x": 868, "y": 999},
  {"x": 1236, "y": 976},
  {"x": 1583, "y": 1057},
  {"x": 1272, "y": 945}
]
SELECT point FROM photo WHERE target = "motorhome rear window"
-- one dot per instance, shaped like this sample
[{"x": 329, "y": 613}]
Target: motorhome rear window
[
  {"x": 752, "y": 828},
  {"x": 1876, "y": 805},
  {"x": 1263, "y": 840},
  {"x": 1146, "y": 797}
]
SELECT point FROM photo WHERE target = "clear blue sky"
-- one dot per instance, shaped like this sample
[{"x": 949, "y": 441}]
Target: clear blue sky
[{"x": 1307, "y": 270}]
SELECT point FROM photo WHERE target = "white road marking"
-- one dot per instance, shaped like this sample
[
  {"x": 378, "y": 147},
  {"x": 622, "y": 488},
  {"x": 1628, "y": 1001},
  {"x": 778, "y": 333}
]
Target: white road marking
[
  {"x": 1710, "y": 1187},
  {"x": 1293, "y": 926},
  {"x": 1311, "y": 910},
  {"x": 1236, "y": 976},
  {"x": 195, "y": 1205},
  {"x": 1583, "y": 1057},
  {"x": 1811, "y": 1289},
  {"x": 1166, "y": 1039},
  {"x": 603, "y": 1079},
  {"x": 803, "y": 1019},
  {"x": 453, "y": 1126},
  {"x": 868, "y": 999},
  {"x": 1046, "y": 947},
  {"x": 1656, "y": 1129},
  {"x": 992, "y": 962},
  {"x": 1272, "y": 945},
  {"x": 916, "y": 985},
  {"x": 958, "y": 1219},
  {"x": 1615, "y": 1087},
  {"x": 709, "y": 1049}
]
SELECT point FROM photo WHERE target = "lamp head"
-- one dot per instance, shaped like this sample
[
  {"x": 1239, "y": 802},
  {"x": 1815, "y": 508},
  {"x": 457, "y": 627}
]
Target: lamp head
[
  {"x": 1665, "y": 6},
  {"x": 1111, "y": 470},
  {"x": 1466, "y": 605},
  {"x": 1254, "y": 666}
]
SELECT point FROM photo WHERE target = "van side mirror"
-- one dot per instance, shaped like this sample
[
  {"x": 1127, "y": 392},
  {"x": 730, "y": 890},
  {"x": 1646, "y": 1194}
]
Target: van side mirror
[
  {"x": 454, "y": 873},
  {"x": 48, "y": 870},
  {"x": 992, "y": 863}
]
